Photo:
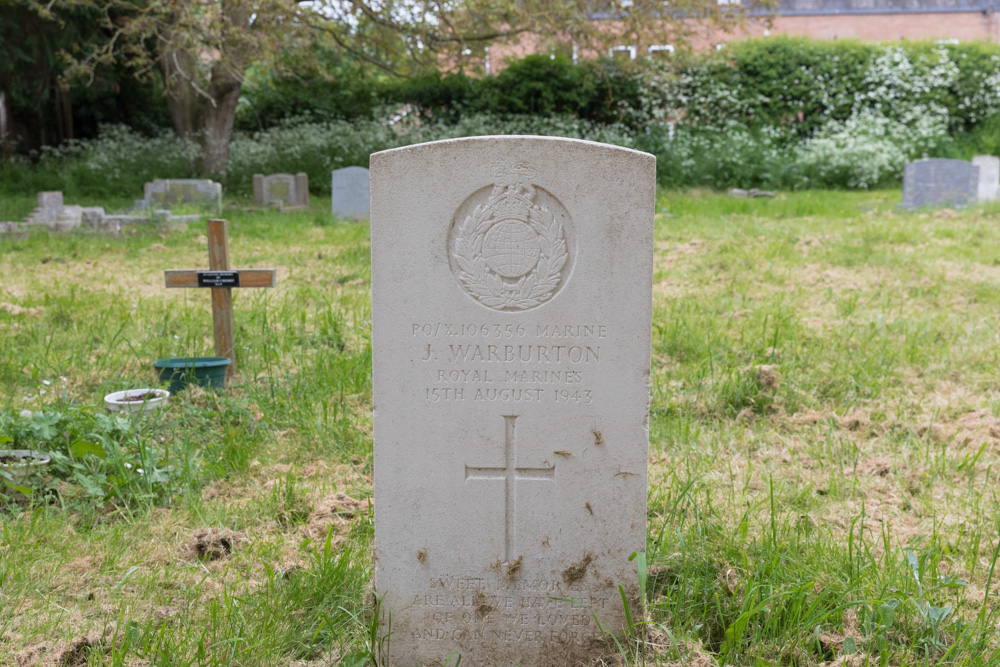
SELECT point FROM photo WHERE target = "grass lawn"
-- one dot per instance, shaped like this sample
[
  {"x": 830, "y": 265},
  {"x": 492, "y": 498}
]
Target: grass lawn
[{"x": 825, "y": 419}]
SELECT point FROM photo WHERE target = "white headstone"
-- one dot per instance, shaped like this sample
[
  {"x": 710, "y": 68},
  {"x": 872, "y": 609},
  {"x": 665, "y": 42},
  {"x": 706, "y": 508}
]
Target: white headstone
[
  {"x": 349, "y": 192},
  {"x": 989, "y": 177},
  {"x": 511, "y": 288}
]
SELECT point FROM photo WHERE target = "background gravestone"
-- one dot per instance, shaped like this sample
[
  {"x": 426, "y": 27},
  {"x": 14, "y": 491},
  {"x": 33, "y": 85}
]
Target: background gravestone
[
  {"x": 349, "y": 192},
  {"x": 50, "y": 205},
  {"x": 282, "y": 190},
  {"x": 173, "y": 193},
  {"x": 940, "y": 182},
  {"x": 511, "y": 292},
  {"x": 989, "y": 177}
]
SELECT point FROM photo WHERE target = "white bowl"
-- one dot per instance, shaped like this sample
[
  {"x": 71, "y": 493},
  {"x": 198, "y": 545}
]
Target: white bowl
[
  {"x": 27, "y": 461},
  {"x": 133, "y": 400}
]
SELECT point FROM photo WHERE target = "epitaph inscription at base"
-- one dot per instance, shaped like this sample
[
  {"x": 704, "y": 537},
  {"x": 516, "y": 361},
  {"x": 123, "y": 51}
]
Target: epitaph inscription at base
[{"x": 511, "y": 288}]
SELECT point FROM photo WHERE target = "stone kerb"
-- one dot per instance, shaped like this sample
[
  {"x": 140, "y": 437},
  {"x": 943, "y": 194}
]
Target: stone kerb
[{"x": 52, "y": 213}]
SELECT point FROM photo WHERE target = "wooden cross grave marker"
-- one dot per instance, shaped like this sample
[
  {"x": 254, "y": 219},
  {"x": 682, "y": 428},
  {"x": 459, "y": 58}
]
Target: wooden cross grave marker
[{"x": 222, "y": 280}]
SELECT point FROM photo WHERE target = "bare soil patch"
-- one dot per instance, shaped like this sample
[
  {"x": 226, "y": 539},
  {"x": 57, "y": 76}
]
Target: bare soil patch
[
  {"x": 62, "y": 654},
  {"x": 213, "y": 544},
  {"x": 337, "y": 510}
]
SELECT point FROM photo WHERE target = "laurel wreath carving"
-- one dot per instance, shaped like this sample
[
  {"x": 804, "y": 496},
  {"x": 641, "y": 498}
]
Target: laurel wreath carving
[{"x": 490, "y": 289}]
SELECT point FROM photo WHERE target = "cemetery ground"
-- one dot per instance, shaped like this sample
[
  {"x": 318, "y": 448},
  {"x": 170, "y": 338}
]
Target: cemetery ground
[{"x": 824, "y": 428}]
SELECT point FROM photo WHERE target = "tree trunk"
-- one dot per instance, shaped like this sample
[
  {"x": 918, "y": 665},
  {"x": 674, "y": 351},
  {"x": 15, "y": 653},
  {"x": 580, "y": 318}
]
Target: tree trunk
[
  {"x": 5, "y": 144},
  {"x": 202, "y": 113},
  {"x": 177, "y": 67},
  {"x": 67, "y": 109},
  {"x": 217, "y": 122}
]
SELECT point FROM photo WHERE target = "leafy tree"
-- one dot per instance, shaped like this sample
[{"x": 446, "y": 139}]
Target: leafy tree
[
  {"x": 202, "y": 49},
  {"x": 41, "y": 109}
]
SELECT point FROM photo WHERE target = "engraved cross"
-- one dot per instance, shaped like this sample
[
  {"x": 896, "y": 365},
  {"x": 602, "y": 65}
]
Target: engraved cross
[{"x": 511, "y": 475}]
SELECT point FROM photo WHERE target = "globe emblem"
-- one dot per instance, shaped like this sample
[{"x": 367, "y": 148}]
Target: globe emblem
[{"x": 511, "y": 248}]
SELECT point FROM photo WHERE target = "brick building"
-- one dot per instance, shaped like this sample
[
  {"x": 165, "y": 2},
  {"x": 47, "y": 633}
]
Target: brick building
[
  {"x": 879, "y": 20},
  {"x": 866, "y": 20}
]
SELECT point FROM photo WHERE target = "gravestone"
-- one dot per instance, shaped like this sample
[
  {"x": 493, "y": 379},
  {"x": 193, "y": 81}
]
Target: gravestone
[
  {"x": 989, "y": 177},
  {"x": 69, "y": 218},
  {"x": 50, "y": 205},
  {"x": 174, "y": 193},
  {"x": 940, "y": 182},
  {"x": 349, "y": 192},
  {"x": 282, "y": 190},
  {"x": 511, "y": 290},
  {"x": 93, "y": 216}
]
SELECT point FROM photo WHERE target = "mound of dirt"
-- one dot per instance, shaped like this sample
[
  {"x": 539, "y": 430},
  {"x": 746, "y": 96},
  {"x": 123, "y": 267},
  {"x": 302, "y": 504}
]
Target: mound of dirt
[
  {"x": 59, "y": 654},
  {"x": 969, "y": 429},
  {"x": 336, "y": 510},
  {"x": 213, "y": 544}
]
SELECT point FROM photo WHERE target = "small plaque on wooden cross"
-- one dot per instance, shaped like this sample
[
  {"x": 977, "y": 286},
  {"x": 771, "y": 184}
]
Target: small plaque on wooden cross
[
  {"x": 218, "y": 278},
  {"x": 221, "y": 279}
]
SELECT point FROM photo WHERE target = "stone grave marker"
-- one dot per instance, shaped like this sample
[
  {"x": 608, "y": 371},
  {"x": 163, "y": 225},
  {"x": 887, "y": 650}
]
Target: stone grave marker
[
  {"x": 50, "y": 205},
  {"x": 349, "y": 192},
  {"x": 940, "y": 182},
  {"x": 285, "y": 191},
  {"x": 173, "y": 193},
  {"x": 511, "y": 290},
  {"x": 989, "y": 177}
]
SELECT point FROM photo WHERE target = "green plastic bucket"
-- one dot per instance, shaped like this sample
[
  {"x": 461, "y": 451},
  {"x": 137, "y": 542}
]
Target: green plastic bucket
[{"x": 202, "y": 371}]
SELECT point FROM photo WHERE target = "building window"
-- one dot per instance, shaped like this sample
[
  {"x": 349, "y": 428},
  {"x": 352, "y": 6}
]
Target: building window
[
  {"x": 630, "y": 50},
  {"x": 660, "y": 50}
]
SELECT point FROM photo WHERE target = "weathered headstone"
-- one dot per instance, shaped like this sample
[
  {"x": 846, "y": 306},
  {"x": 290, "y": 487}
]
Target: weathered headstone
[
  {"x": 50, "y": 205},
  {"x": 93, "y": 216},
  {"x": 511, "y": 288},
  {"x": 940, "y": 182},
  {"x": 173, "y": 193},
  {"x": 282, "y": 190},
  {"x": 349, "y": 192},
  {"x": 989, "y": 177},
  {"x": 67, "y": 219}
]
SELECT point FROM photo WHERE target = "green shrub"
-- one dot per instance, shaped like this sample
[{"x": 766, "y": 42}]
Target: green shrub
[
  {"x": 318, "y": 148},
  {"x": 115, "y": 164},
  {"x": 323, "y": 87},
  {"x": 604, "y": 91},
  {"x": 770, "y": 113},
  {"x": 801, "y": 85},
  {"x": 981, "y": 139}
]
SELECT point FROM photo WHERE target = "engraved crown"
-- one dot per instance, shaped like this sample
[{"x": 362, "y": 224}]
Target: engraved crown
[{"x": 512, "y": 196}]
